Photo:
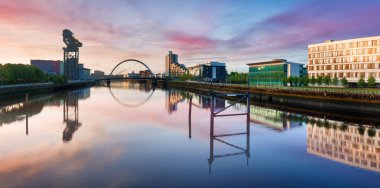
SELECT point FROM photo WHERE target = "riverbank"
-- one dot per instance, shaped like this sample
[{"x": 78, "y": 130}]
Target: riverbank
[
  {"x": 350, "y": 103},
  {"x": 19, "y": 90}
]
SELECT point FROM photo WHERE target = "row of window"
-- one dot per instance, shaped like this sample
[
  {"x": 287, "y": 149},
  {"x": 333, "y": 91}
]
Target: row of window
[
  {"x": 345, "y": 45},
  {"x": 347, "y": 74},
  {"x": 345, "y": 60},
  {"x": 344, "y": 67},
  {"x": 344, "y": 53}
]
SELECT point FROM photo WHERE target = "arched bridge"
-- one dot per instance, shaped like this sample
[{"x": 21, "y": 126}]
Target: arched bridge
[
  {"x": 133, "y": 60},
  {"x": 119, "y": 76}
]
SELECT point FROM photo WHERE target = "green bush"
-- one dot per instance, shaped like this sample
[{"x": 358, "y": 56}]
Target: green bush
[
  {"x": 186, "y": 77},
  {"x": 319, "y": 80},
  {"x": 344, "y": 82},
  {"x": 237, "y": 78},
  {"x": 361, "y": 82},
  {"x": 371, "y": 81},
  {"x": 335, "y": 81},
  {"x": 327, "y": 80},
  {"x": 22, "y": 74},
  {"x": 313, "y": 80}
]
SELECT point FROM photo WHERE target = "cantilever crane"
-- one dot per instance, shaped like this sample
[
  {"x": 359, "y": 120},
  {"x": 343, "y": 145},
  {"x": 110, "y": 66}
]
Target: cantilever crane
[{"x": 71, "y": 55}]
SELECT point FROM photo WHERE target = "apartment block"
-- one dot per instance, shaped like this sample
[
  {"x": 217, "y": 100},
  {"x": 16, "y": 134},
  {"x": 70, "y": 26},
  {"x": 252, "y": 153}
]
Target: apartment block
[{"x": 353, "y": 59}]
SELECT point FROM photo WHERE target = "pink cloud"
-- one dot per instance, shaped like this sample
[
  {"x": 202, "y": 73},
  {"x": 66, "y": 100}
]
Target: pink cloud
[{"x": 187, "y": 42}]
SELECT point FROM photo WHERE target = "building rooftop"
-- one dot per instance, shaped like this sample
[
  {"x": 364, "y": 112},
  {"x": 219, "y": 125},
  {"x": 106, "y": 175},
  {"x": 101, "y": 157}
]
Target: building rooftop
[
  {"x": 346, "y": 40},
  {"x": 273, "y": 61}
]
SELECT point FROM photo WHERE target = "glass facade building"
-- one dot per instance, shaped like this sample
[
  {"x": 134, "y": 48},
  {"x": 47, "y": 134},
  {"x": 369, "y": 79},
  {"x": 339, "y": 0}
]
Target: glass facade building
[{"x": 273, "y": 72}]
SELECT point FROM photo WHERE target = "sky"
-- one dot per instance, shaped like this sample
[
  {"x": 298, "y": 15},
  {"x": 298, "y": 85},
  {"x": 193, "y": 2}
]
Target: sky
[{"x": 236, "y": 32}]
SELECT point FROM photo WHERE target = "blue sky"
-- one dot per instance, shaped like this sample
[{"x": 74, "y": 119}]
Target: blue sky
[{"x": 235, "y": 32}]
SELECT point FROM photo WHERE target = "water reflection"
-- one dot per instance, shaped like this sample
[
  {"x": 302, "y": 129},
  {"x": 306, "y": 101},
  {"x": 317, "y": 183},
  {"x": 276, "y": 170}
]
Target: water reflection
[
  {"x": 345, "y": 143},
  {"x": 34, "y": 105},
  {"x": 354, "y": 144},
  {"x": 115, "y": 143},
  {"x": 202, "y": 101},
  {"x": 120, "y": 90},
  {"x": 215, "y": 104}
]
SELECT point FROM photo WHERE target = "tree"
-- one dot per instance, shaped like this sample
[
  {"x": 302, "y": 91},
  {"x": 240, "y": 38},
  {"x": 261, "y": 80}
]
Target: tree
[
  {"x": 327, "y": 80},
  {"x": 238, "y": 78},
  {"x": 361, "y": 82},
  {"x": 296, "y": 81},
  {"x": 371, "y": 81},
  {"x": 335, "y": 81},
  {"x": 186, "y": 77},
  {"x": 290, "y": 80},
  {"x": 344, "y": 82},
  {"x": 361, "y": 129},
  {"x": 313, "y": 80},
  {"x": 371, "y": 132},
  {"x": 284, "y": 81},
  {"x": 319, "y": 80}
]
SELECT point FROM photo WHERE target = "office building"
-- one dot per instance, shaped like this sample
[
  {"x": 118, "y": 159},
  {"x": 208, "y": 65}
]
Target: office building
[
  {"x": 54, "y": 67},
  {"x": 172, "y": 68},
  {"x": 352, "y": 59},
  {"x": 97, "y": 74},
  {"x": 210, "y": 71},
  {"x": 273, "y": 72},
  {"x": 84, "y": 73}
]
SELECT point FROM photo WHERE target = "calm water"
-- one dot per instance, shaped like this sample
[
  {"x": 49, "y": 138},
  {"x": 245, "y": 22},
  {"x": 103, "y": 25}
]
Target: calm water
[{"x": 131, "y": 135}]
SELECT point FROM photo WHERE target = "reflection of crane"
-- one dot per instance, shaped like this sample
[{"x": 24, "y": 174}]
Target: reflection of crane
[
  {"x": 71, "y": 55},
  {"x": 70, "y": 116}
]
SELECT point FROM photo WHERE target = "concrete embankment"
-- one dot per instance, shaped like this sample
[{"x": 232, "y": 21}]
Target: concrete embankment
[
  {"x": 350, "y": 103},
  {"x": 13, "y": 91}
]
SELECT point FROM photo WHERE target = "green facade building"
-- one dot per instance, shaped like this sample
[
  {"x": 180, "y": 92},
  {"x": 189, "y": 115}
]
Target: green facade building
[{"x": 273, "y": 72}]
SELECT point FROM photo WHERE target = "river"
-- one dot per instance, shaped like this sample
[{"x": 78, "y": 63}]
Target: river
[{"x": 133, "y": 135}]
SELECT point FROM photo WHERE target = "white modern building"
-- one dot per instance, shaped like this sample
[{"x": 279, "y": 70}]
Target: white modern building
[{"x": 353, "y": 58}]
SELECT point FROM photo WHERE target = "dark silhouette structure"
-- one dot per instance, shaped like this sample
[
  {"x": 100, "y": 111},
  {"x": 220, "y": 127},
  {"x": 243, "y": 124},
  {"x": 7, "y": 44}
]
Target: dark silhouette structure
[
  {"x": 71, "y": 55},
  {"x": 70, "y": 115}
]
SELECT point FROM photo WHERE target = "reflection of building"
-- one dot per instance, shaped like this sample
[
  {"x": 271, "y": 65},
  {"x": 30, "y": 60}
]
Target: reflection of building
[
  {"x": 210, "y": 71},
  {"x": 172, "y": 68},
  {"x": 352, "y": 59},
  {"x": 173, "y": 97},
  {"x": 49, "y": 66},
  {"x": 16, "y": 112},
  {"x": 273, "y": 72},
  {"x": 275, "y": 119},
  {"x": 348, "y": 147}
]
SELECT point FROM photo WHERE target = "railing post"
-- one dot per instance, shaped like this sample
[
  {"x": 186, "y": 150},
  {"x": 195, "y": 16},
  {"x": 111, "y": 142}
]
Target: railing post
[
  {"x": 26, "y": 113},
  {"x": 212, "y": 115}
]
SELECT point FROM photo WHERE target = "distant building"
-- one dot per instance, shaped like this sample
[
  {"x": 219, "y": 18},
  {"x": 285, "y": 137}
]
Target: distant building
[
  {"x": 133, "y": 75},
  {"x": 145, "y": 74},
  {"x": 54, "y": 67},
  {"x": 172, "y": 68},
  {"x": 352, "y": 59},
  {"x": 273, "y": 72},
  {"x": 84, "y": 73},
  {"x": 210, "y": 71},
  {"x": 97, "y": 74}
]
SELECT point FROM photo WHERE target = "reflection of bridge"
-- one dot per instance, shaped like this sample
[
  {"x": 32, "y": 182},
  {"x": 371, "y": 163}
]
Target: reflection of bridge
[{"x": 134, "y": 86}]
